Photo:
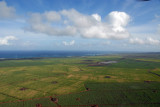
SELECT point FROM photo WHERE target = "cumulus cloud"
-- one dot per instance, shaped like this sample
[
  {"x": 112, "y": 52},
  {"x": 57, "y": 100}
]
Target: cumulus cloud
[
  {"x": 136, "y": 41},
  {"x": 119, "y": 20},
  {"x": 73, "y": 23},
  {"x": 97, "y": 17},
  {"x": 6, "y": 12},
  {"x": 147, "y": 41},
  {"x": 68, "y": 43},
  {"x": 153, "y": 41},
  {"x": 52, "y": 16},
  {"x": 44, "y": 23},
  {"x": 5, "y": 40}
]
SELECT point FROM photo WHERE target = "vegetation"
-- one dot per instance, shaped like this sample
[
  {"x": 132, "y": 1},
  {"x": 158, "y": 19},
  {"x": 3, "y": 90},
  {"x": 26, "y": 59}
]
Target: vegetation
[{"x": 133, "y": 81}]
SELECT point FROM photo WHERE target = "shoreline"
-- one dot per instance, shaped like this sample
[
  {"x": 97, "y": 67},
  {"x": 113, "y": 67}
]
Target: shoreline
[{"x": 72, "y": 56}]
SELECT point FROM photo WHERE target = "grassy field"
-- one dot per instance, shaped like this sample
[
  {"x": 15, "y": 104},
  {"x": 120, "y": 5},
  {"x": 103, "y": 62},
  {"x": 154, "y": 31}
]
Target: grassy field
[{"x": 133, "y": 81}]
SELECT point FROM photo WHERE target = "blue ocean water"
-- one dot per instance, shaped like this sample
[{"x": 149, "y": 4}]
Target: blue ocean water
[{"x": 41, "y": 54}]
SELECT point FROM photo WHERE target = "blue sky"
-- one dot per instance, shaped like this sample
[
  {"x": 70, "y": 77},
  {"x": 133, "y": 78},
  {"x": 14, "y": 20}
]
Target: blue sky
[{"x": 106, "y": 25}]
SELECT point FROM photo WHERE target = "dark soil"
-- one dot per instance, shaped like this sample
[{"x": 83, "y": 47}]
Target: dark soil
[
  {"x": 77, "y": 99},
  {"x": 23, "y": 88},
  {"x": 54, "y": 82},
  {"x": 54, "y": 99},
  {"x": 38, "y": 105},
  {"x": 87, "y": 89},
  {"x": 155, "y": 91},
  {"x": 148, "y": 81},
  {"x": 107, "y": 77},
  {"x": 94, "y": 105}
]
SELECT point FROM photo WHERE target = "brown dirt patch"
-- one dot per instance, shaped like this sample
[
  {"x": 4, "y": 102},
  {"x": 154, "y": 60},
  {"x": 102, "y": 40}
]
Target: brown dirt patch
[
  {"x": 38, "y": 105},
  {"x": 34, "y": 79},
  {"x": 155, "y": 91},
  {"x": 87, "y": 89},
  {"x": 70, "y": 76},
  {"x": 148, "y": 81},
  {"x": 54, "y": 99},
  {"x": 77, "y": 99},
  {"x": 23, "y": 88},
  {"x": 94, "y": 105},
  {"x": 107, "y": 77},
  {"x": 54, "y": 82}
]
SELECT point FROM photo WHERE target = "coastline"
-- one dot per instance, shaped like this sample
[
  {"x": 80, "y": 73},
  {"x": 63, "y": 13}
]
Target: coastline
[{"x": 35, "y": 55}]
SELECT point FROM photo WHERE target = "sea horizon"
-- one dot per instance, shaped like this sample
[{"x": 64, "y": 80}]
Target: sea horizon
[
  {"x": 10, "y": 54},
  {"x": 47, "y": 54}
]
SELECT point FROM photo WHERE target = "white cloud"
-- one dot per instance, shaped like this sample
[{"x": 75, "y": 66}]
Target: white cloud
[
  {"x": 119, "y": 20},
  {"x": 52, "y": 16},
  {"x": 6, "y": 12},
  {"x": 40, "y": 23},
  {"x": 77, "y": 19},
  {"x": 147, "y": 41},
  {"x": 97, "y": 17},
  {"x": 68, "y": 43},
  {"x": 136, "y": 41},
  {"x": 152, "y": 41},
  {"x": 88, "y": 26},
  {"x": 74, "y": 23},
  {"x": 5, "y": 40}
]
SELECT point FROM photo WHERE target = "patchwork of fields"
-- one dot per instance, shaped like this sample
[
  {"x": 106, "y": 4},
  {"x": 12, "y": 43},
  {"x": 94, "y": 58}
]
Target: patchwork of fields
[{"x": 134, "y": 80}]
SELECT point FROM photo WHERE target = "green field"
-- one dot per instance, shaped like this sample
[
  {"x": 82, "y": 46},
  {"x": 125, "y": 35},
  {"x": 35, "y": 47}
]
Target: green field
[{"x": 134, "y": 80}]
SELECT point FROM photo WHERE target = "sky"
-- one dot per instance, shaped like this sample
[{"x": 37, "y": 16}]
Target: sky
[{"x": 78, "y": 25}]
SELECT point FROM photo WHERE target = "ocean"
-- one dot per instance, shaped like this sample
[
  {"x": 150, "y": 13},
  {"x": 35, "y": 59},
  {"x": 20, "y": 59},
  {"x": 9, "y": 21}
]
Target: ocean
[{"x": 47, "y": 54}]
